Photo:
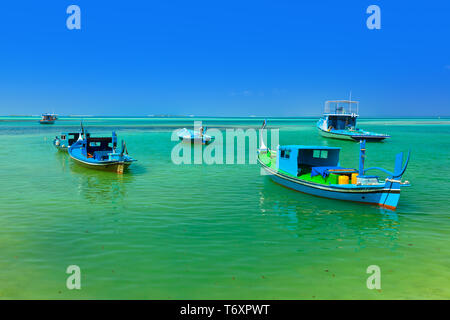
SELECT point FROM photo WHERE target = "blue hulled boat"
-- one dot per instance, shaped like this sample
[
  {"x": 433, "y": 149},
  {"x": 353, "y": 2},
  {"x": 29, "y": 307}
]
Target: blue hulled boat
[
  {"x": 316, "y": 170},
  {"x": 339, "y": 122},
  {"x": 100, "y": 153}
]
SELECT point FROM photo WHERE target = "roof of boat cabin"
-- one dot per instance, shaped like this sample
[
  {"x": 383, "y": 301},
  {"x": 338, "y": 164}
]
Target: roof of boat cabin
[
  {"x": 294, "y": 146},
  {"x": 341, "y": 101},
  {"x": 99, "y": 139}
]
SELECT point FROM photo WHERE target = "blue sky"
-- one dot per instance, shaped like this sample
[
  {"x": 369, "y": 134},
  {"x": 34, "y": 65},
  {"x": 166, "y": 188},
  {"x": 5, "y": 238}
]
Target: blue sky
[{"x": 224, "y": 58}]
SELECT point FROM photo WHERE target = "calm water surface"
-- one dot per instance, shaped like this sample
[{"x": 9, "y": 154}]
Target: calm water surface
[{"x": 166, "y": 231}]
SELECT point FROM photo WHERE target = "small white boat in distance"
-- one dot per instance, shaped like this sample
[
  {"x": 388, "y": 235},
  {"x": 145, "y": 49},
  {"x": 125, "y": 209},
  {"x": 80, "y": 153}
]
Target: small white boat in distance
[{"x": 192, "y": 136}]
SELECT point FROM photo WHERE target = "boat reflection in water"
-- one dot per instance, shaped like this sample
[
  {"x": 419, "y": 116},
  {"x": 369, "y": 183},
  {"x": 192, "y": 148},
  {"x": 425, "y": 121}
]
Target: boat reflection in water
[
  {"x": 99, "y": 186},
  {"x": 325, "y": 224}
]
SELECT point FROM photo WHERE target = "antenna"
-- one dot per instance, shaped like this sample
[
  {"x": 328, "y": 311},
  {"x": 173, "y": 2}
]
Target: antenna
[{"x": 350, "y": 103}]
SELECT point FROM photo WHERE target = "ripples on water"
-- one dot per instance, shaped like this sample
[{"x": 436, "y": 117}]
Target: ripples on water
[{"x": 215, "y": 231}]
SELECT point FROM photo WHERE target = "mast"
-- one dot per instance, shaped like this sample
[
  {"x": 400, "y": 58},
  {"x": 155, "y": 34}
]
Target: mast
[
  {"x": 362, "y": 156},
  {"x": 262, "y": 146}
]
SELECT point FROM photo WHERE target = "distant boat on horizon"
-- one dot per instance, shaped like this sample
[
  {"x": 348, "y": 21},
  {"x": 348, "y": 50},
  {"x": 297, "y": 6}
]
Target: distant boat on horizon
[
  {"x": 48, "y": 118},
  {"x": 339, "y": 122}
]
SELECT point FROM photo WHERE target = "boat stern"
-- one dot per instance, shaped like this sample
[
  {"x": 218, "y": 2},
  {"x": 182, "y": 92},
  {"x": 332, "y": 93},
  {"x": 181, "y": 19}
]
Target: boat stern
[
  {"x": 370, "y": 137},
  {"x": 390, "y": 198}
]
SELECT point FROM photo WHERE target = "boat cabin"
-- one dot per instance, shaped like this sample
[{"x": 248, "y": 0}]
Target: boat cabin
[
  {"x": 298, "y": 160},
  {"x": 48, "y": 117},
  {"x": 341, "y": 114},
  {"x": 99, "y": 148}
]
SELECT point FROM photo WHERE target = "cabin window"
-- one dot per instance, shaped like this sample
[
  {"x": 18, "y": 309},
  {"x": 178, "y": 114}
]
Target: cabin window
[
  {"x": 320, "y": 154},
  {"x": 94, "y": 144},
  {"x": 63, "y": 137},
  {"x": 285, "y": 153}
]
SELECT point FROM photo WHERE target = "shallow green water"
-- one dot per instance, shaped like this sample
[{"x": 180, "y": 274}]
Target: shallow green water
[{"x": 166, "y": 231}]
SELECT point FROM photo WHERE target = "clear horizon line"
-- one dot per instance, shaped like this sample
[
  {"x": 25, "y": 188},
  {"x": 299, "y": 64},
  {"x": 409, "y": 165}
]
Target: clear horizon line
[{"x": 218, "y": 116}]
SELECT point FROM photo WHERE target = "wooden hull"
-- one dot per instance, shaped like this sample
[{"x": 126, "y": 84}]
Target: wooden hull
[
  {"x": 47, "y": 122},
  {"x": 378, "y": 195}
]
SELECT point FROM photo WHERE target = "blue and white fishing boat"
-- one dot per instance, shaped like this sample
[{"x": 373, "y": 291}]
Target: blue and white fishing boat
[
  {"x": 100, "y": 153},
  {"x": 339, "y": 122},
  {"x": 66, "y": 139},
  {"x": 316, "y": 170},
  {"x": 191, "y": 136},
  {"x": 48, "y": 118}
]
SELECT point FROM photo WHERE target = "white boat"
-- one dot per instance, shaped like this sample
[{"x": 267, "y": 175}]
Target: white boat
[
  {"x": 192, "y": 136},
  {"x": 339, "y": 122}
]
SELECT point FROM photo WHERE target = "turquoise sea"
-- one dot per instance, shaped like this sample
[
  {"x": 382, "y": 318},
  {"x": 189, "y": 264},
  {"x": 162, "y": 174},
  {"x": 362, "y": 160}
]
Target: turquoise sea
[{"x": 166, "y": 231}]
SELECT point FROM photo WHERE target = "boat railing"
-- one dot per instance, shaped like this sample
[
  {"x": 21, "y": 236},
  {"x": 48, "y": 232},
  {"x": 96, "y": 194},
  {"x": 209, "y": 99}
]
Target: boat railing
[
  {"x": 341, "y": 107},
  {"x": 400, "y": 166}
]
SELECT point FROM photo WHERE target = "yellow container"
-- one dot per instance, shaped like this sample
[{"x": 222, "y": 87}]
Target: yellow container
[
  {"x": 343, "y": 179},
  {"x": 354, "y": 179}
]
